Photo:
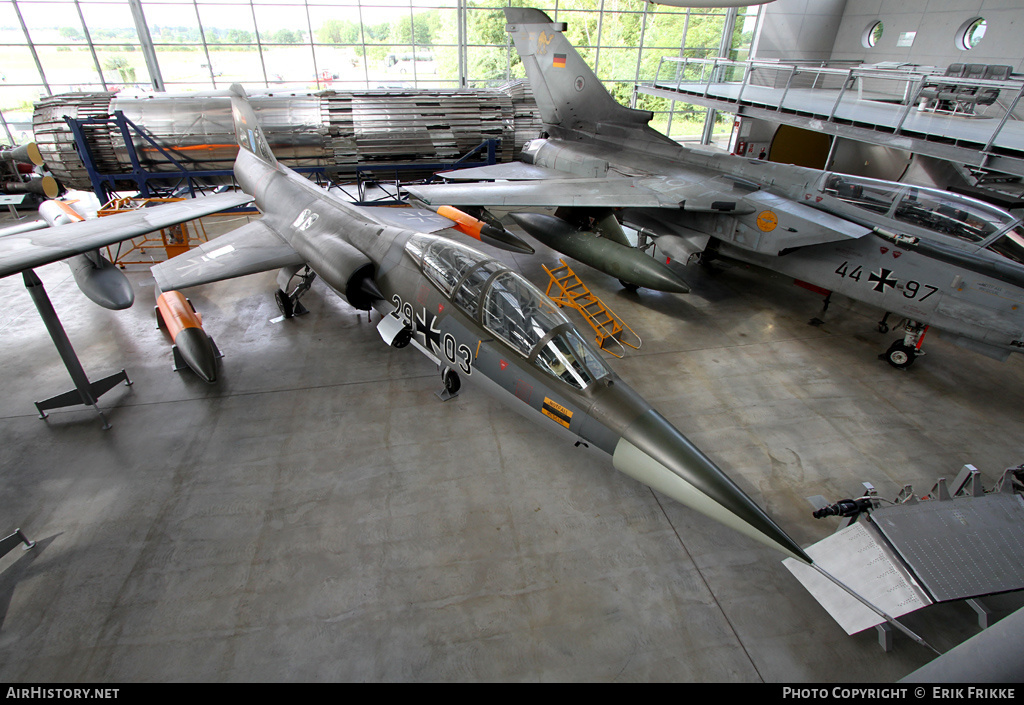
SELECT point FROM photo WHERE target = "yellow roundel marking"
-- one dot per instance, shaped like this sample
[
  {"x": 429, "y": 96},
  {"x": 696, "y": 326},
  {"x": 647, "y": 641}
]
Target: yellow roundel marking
[{"x": 767, "y": 220}]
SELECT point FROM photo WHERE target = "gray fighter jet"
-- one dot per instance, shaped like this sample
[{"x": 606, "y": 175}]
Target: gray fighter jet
[
  {"x": 928, "y": 256},
  {"x": 475, "y": 318}
]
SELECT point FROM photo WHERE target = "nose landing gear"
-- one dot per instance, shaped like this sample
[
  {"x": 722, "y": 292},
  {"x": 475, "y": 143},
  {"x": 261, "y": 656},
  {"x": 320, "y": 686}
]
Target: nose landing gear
[
  {"x": 902, "y": 353},
  {"x": 452, "y": 384}
]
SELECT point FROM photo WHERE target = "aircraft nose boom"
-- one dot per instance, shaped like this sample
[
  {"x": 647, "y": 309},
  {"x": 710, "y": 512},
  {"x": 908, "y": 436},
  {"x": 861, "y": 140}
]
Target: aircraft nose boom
[{"x": 654, "y": 452}]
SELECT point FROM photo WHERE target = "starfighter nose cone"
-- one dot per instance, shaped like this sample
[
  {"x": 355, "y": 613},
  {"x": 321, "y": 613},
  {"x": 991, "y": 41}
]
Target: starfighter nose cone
[{"x": 654, "y": 452}]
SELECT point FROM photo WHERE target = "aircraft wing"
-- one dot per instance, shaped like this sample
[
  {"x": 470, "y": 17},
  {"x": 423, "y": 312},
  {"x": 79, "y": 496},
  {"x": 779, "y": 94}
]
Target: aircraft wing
[
  {"x": 419, "y": 219},
  {"x": 252, "y": 248},
  {"x": 694, "y": 193},
  {"x": 586, "y": 192},
  {"x": 510, "y": 171},
  {"x": 24, "y": 251}
]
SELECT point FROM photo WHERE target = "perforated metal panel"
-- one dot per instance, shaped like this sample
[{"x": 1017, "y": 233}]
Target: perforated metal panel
[
  {"x": 858, "y": 557},
  {"x": 960, "y": 548}
]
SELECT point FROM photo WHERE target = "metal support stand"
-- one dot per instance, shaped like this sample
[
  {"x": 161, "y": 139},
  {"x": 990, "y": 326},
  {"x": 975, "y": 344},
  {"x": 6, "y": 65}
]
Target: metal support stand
[
  {"x": 884, "y": 636},
  {"x": 8, "y": 543},
  {"x": 85, "y": 392},
  {"x": 986, "y": 615},
  {"x": 178, "y": 178}
]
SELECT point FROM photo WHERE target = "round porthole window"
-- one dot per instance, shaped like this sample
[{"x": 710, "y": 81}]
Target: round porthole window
[
  {"x": 971, "y": 33},
  {"x": 872, "y": 33}
]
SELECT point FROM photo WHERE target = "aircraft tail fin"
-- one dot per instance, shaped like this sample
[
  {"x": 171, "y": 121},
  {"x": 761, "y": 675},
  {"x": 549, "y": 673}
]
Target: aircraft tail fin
[
  {"x": 568, "y": 93},
  {"x": 247, "y": 127}
]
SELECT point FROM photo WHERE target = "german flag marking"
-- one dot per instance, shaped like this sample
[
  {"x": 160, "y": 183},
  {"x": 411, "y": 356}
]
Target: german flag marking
[
  {"x": 559, "y": 61},
  {"x": 554, "y": 410}
]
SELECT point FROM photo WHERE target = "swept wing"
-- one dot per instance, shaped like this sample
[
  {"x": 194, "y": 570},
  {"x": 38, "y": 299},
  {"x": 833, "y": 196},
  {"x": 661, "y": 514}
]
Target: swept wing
[
  {"x": 597, "y": 193},
  {"x": 249, "y": 249},
  {"x": 529, "y": 185},
  {"x": 510, "y": 171},
  {"x": 257, "y": 247},
  {"x": 27, "y": 250}
]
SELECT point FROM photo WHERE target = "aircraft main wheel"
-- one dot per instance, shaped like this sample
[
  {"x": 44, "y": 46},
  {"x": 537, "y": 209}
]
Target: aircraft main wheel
[
  {"x": 452, "y": 383},
  {"x": 900, "y": 355},
  {"x": 284, "y": 304}
]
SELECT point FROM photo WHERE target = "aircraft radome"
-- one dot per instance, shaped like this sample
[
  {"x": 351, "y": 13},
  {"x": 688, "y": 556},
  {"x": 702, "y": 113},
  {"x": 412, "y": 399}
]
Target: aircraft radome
[{"x": 927, "y": 256}]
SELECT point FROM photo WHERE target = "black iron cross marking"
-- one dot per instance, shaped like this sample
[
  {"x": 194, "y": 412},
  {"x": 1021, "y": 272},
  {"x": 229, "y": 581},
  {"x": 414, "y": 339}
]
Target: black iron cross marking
[
  {"x": 883, "y": 280},
  {"x": 426, "y": 325}
]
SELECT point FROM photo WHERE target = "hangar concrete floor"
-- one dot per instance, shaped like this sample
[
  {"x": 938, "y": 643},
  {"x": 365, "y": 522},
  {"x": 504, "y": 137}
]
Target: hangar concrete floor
[{"x": 319, "y": 515}]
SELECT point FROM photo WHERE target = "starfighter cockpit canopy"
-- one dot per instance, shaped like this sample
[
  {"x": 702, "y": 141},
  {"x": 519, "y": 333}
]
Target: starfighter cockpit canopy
[{"x": 510, "y": 307}]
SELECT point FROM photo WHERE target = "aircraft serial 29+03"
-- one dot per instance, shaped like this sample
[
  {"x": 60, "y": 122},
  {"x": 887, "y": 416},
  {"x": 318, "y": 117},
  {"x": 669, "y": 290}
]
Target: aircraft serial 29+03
[
  {"x": 929, "y": 256},
  {"x": 468, "y": 313}
]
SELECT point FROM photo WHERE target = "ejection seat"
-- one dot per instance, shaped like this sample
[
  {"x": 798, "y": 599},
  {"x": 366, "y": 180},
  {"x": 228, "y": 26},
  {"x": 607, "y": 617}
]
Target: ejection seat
[
  {"x": 960, "y": 98},
  {"x": 930, "y": 92}
]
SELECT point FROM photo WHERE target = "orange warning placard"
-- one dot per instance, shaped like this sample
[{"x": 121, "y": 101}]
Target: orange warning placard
[{"x": 554, "y": 410}]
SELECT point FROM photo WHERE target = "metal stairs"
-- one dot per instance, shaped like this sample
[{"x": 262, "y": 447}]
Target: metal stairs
[{"x": 611, "y": 330}]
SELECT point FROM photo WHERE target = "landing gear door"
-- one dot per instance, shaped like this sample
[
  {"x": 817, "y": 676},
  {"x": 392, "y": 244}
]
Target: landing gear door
[{"x": 391, "y": 328}]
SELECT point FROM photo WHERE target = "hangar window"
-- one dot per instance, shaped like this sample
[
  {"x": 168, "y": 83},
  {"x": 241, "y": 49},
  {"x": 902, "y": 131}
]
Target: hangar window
[
  {"x": 872, "y": 33},
  {"x": 971, "y": 33}
]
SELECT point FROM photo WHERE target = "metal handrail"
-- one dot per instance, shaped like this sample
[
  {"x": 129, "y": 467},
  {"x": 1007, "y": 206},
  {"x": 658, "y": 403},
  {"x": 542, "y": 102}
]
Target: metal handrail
[
  {"x": 913, "y": 80},
  {"x": 924, "y": 74}
]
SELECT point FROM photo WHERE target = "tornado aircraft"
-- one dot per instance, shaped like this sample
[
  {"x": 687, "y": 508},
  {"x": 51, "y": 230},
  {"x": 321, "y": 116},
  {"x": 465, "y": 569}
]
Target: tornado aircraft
[
  {"x": 479, "y": 321},
  {"x": 929, "y": 257}
]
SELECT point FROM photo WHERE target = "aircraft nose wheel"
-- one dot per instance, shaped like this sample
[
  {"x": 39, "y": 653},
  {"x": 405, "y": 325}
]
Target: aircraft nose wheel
[
  {"x": 452, "y": 384},
  {"x": 900, "y": 355}
]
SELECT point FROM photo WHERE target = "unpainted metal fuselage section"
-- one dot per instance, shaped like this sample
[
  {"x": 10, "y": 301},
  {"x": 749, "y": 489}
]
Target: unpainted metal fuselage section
[
  {"x": 929, "y": 256},
  {"x": 487, "y": 324}
]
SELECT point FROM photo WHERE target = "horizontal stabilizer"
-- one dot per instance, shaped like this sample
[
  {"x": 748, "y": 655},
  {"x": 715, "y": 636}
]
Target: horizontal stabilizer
[
  {"x": 859, "y": 558},
  {"x": 252, "y": 248}
]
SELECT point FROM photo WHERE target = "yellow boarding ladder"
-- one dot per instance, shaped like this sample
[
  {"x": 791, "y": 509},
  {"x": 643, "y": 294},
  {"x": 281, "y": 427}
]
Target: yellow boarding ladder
[{"x": 609, "y": 327}]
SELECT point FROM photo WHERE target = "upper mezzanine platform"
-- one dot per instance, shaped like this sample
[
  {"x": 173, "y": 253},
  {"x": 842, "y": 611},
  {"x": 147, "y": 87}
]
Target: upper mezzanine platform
[{"x": 969, "y": 120}]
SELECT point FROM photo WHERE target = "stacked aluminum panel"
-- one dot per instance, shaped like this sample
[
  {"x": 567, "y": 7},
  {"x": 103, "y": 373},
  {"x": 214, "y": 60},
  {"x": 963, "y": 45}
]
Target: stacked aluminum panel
[
  {"x": 526, "y": 121},
  {"x": 333, "y": 129}
]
